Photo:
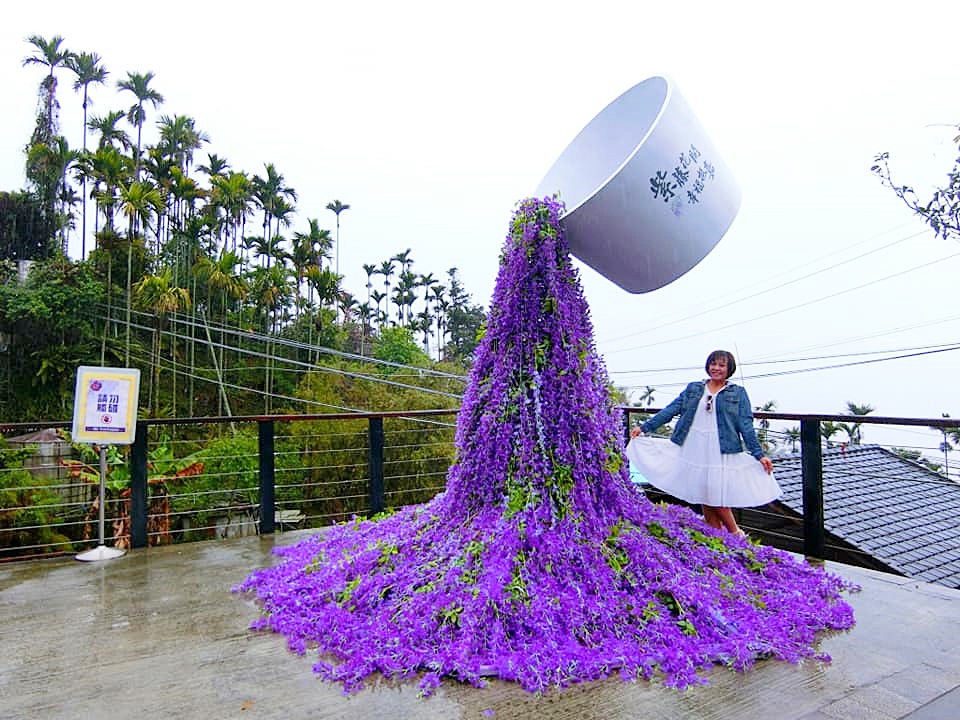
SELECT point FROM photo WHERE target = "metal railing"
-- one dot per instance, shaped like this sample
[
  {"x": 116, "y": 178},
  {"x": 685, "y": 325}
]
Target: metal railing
[
  {"x": 205, "y": 478},
  {"x": 772, "y": 525}
]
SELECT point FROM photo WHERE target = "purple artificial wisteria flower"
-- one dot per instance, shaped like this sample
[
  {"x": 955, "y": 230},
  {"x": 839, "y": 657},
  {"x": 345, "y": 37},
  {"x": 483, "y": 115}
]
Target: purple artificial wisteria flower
[{"x": 541, "y": 563}]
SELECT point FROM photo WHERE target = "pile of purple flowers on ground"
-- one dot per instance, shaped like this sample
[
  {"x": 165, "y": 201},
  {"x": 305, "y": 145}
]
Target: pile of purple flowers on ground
[{"x": 541, "y": 563}]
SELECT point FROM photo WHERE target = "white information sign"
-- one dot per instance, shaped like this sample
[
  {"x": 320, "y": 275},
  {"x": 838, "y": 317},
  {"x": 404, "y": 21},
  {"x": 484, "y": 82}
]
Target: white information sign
[{"x": 105, "y": 405}]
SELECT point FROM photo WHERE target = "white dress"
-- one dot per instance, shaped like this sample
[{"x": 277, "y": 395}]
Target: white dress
[{"x": 697, "y": 472}]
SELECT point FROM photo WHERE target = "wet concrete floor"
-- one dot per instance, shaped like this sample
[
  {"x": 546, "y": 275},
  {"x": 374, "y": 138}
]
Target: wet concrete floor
[{"x": 158, "y": 634}]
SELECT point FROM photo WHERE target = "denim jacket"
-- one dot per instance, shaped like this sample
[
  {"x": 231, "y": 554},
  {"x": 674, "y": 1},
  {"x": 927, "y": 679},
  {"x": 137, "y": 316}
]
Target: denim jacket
[{"x": 734, "y": 418}]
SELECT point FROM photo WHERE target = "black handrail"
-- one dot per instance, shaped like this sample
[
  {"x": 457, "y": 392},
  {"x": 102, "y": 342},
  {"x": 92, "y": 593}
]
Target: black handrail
[
  {"x": 811, "y": 459},
  {"x": 814, "y": 534}
]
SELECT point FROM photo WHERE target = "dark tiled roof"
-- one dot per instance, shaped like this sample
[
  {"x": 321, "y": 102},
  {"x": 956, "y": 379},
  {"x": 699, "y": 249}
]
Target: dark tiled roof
[{"x": 893, "y": 509}]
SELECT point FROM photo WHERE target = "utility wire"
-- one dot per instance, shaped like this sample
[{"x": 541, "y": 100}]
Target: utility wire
[
  {"x": 191, "y": 321},
  {"x": 792, "y": 360},
  {"x": 816, "y": 369},
  {"x": 714, "y": 308},
  {"x": 311, "y": 367},
  {"x": 175, "y": 367},
  {"x": 306, "y": 365},
  {"x": 792, "y": 307},
  {"x": 871, "y": 336}
]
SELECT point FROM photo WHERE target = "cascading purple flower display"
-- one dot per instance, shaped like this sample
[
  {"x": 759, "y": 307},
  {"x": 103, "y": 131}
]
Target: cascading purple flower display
[{"x": 541, "y": 563}]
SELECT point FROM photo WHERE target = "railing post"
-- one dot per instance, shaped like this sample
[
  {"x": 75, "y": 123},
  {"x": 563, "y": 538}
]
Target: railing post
[
  {"x": 267, "y": 477},
  {"x": 812, "y": 466},
  {"x": 138, "y": 487},
  {"x": 375, "y": 463}
]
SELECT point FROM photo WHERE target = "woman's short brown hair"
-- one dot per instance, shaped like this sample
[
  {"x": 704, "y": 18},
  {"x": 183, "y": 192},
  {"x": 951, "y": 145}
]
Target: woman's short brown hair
[{"x": 716, "y": 355}]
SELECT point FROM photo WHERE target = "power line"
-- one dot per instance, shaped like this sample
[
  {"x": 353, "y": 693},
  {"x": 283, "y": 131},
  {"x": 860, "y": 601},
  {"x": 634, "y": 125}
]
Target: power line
[
  {"x": 871, "y": 336},
  {"x": 792, "y": 307},
  {"x": 792, "y": 360},
  {"x": 190, "y": 321},
  {"x": 175, "y": 367},
  {"x": 301, "y": 364},
  {"x": 714, "y": 308},
  {"x": 817, "y": 369}
]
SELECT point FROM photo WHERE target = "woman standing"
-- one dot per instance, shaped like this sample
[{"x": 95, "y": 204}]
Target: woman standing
[{"x": 705, "y": 462}]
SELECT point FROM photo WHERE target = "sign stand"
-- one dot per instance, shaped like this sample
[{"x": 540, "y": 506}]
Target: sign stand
[
  {"x": 101, "y": 552},
  {"x": 105, "y": 413}
]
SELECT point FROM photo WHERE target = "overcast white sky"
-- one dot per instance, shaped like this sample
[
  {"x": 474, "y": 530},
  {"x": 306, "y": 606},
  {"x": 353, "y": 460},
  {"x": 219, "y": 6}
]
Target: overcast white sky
[{"x": 432, "y": 119}]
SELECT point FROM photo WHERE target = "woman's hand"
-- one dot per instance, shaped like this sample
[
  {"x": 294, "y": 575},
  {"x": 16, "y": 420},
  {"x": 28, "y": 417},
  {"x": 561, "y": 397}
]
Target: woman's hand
[
  {"x": 767, "y": 464},
  {"x": 636, "y": 432}
]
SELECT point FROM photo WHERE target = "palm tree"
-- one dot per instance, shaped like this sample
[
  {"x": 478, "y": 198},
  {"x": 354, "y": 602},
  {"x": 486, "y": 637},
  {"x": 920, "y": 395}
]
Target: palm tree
[
  {"x": 190, "y": 248},
  {"x": 793, "y": 435},
  {"x": 49, "y": 54},
  {"x": 233, "y": 193},
  {"x": 309, "y": 251},
  {"x": 224, "y": 287},
  {"x": 160, "y": 295},
  {"x": 215, "y": 165},
  {"x": 139, "y": 85},
  {"x": 440, "y": 306},
  {"x": 337, "y": 207},
  {"x": 853, "y": 429},
  {"x": 160, "y": 169},
  {"x": 302, "y": 257},
  {"x": 378, "y": 297},
  {"x": 272, "y": 249},
  {"x": 326, "y": 283},
  {"x": 272, "y": 194},
  {"x": 400, "y": 301},
  {"x": 828, "y": 429},
  {"x": 272, "y": 293},
  {"x": 364, "y": 314},
  {"x": 283, "y": 213},
  {"x": 406, "y": 286},
  {"x": 945, "y": 448},
  {"x": 945, "y": 445},
  {"x": 646, "y": 397},
  {"x": 50, "y": 163},
  {"x": 405, "y": 291},
  {"x": 386, "y": 269},
  {"x": 424, "y": 323},
  {"x": 67, "y": 198},
  {"x": 87, "y": 68},
  {"x": 404, "y": 259},
  {"x": 110, "y": 134},
  {"x": 140, "y": 201},
  {"x": 179, "y": 138},
  {"x": 184, "y": 191},
  {"x": 764, "y": 424},
  {"x": 369, "y": 269},
  {"x": 107, "y": 168},
  {"x": 224, "y": 284},
  {"x": 347, "y": 303},
  {"x": 427, "y": 282},
  {"x": 320, "y": 240},
  {"x": 953, "y": 436}
]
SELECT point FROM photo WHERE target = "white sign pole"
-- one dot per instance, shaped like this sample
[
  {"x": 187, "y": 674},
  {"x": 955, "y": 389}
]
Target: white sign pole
[
  {"x": 102, "y": 552},
  {"x": 105, "y": 413}
]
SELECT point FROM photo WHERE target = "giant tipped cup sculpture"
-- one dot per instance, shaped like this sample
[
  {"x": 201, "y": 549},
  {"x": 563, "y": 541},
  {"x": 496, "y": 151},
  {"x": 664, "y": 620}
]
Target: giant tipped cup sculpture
[
  {"x": 541, "y": 563},
  {"x": 647, "y": 195}
]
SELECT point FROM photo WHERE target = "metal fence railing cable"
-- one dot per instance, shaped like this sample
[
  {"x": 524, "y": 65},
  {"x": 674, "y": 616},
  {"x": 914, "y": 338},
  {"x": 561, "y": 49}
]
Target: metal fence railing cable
[{"x": 190, "y": 479}]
